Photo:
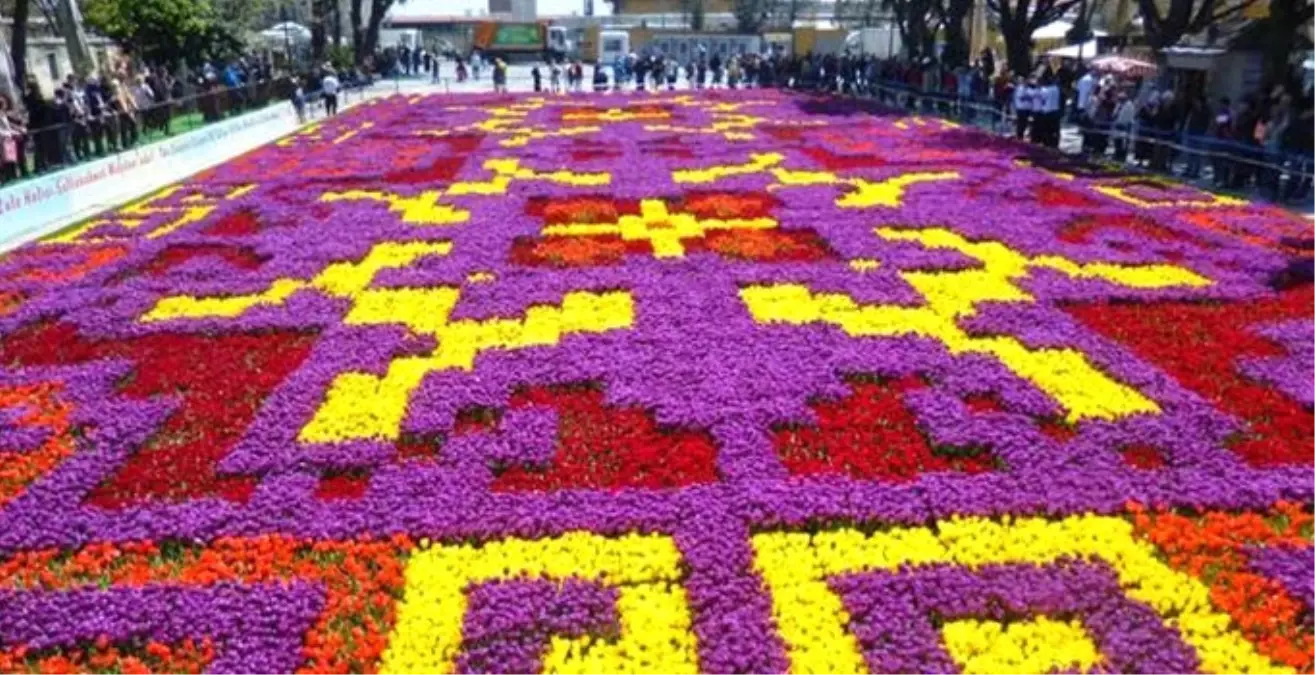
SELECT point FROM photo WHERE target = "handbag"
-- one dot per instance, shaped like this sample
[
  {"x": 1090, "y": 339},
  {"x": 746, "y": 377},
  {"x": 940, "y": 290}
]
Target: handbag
[{"x": 9, "y": 153}]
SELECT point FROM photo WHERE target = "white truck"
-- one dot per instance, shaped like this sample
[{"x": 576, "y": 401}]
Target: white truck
[{"x": 882, "y": 43}]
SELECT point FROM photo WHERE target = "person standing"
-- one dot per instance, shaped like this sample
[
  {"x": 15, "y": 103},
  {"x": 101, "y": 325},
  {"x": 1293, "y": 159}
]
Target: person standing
[
  {"x": 641, "y": 73},
  {"x": 143, "y": 99},
  {"x": 39, "y": 123},
  {"x": 1052, "y": 106},
  {"x": 537, "y": 77},
  {"x": 121, "y": 104},
  {"x": 13, "y": 136},
  {"x": 499, "y": 76},
  {"x": 1195, "y": 127},
  {"x": 329, "y": 87},
  {"x": 1024, "y": 93},
  {"x": 95, "y": 113},
  {"x": 555, "y": 77},
  {"x": 1280, "y": 117},
  {"x": 299, "y": 99}
]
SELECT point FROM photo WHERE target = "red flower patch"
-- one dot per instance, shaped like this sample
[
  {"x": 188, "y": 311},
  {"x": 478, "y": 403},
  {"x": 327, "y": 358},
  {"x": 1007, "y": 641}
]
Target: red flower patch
[
  {"x": 342, "y": 485},
  {"x": 606, "y": 447},
  {"x": 726, "y": 205},
  {"x": 1054, "y": 195},
  {"x": 236, "y": 224},
  {"x": 563, "y": 252},
  {"x": 984, "y": 403},
  {"x": 94, "y": 260},
  {"x": 763, "y": 245},
  {"x": 1142, "y": 457},
  {"x": 241, "y": 257},
  {"x": 871, "y": 435},
  {"x": 584, "y": 209},
  {"x": 1199, "y": 345},
  {"x": 1080, "y": 229},
  {"x": 834, "y": 161},
  {"x": 219, "y": 381}
]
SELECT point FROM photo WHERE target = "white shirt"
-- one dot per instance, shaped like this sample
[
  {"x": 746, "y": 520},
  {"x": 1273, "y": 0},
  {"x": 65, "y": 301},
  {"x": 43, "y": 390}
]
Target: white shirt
[
  {"x": 329, "y": 84},
  {"x": 1126, "y": 113},
  {"x": 1050, "y": 98},
  {"x": 1085, "y": 85},
  {"x": 1023, "y": 95}
]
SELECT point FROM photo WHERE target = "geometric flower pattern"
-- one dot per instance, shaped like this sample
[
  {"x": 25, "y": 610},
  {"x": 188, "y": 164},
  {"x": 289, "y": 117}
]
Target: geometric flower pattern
[{"x": 728, "y": 382}]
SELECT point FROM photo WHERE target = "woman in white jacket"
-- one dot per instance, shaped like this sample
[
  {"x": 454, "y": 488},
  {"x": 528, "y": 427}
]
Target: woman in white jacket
[{"x": 1125, "y": 114}]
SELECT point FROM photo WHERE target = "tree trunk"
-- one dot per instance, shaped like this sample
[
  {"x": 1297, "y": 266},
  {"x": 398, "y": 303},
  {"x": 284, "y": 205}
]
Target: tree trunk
[
  {"x": 75, "y": 38},
  {"x": 337, "y": 24},
  {"x": 317, "y": 35},
  {"x": 1285, "y": 19},
  {"x": 18, "y": 44},
  {"x": 378, "y": 8},
  {"x": 697, "y": 16},
  {"x": 358, "y": 34},
  {"x": 956, "y": 39},
  {"x": 1018, "y": 47}
]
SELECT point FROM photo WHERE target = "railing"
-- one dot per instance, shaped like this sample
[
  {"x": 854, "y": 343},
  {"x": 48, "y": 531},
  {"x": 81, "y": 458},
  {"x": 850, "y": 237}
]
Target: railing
[
  {"x": 1231, "y": 164},
  {"x": 59, "y": 146}
]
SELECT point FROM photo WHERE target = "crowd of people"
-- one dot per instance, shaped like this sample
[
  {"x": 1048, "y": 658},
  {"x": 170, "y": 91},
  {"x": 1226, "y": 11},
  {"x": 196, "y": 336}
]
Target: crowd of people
[
  {"x": 1259, "y": 141},
  {"x": 109, "y": 111}
]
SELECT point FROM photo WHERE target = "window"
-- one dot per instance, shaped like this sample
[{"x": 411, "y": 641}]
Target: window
[
  {"x": 52, "y": 62},
  {"x": 612, "y": 45}
]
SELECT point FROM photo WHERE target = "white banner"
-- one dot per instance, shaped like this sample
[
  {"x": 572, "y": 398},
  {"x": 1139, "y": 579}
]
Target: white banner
[{"x": 33, "y": 208}]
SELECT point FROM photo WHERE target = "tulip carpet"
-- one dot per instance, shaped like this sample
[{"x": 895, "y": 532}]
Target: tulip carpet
[{"x": 721, "y": 382}]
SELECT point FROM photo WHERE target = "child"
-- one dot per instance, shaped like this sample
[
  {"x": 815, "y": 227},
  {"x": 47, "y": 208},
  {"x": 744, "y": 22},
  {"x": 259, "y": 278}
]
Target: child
[{"x": 299, "y": 100}]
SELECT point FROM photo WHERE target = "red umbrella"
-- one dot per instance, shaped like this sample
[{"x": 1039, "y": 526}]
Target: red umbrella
[{"x": 1123, "y": 65}]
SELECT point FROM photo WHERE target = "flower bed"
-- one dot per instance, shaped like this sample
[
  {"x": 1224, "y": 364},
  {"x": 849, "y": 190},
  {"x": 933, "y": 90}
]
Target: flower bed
[{"x": 734, "y": 382}]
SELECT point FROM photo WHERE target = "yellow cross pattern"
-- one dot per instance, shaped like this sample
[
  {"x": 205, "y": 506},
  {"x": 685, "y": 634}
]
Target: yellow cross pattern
[
  {"x": 865, "y": 194},
  {"x": 192, "y": 208},
  {"x": 362, "y": 405},
  {"x": 661, "y": 228},
  {"x": 1065, "y": 374},
  {"x": 425, "y": 209}
]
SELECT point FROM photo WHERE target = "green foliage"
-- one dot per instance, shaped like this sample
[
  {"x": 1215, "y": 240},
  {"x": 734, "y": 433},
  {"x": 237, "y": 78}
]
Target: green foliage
[
  {"x": 343, "y": 57},
  {"x": 163, "y": 31}
]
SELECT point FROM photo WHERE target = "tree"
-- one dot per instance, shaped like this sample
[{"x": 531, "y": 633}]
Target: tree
[
  {"x": 750, "y": 15},
  {"x": 240, "y": 17},
  {"x": 914, "y": 20},
  {"x": 1019, "y": 19},
  {"x": 318, "y": 39},
  {"x": 162, "y": 31},
  {"x": 66, "y": 16},
  {"x": 697, "y": 13},
  {"x": 1286, "y": 19},
  {"x": 18, "y": 42},
  {"x": 365, "y": 31},
  {"x": 1185, "y": 17},
  {"x": 953, "y": 13}
]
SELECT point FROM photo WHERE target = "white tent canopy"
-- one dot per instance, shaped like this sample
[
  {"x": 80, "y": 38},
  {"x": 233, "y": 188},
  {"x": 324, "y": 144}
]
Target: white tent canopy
[
  {"x": 288, "y": 30},
  {"x": 1071, "y": 51},
  {"x": 1058, "y": 30}
]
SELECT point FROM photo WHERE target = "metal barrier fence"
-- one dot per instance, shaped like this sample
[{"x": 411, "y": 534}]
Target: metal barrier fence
[
  {"x": 58, "y": 146},
  {"x": 1197, "y": 150}
]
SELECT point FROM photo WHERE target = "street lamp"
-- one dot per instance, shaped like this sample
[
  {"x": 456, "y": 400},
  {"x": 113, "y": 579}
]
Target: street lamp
[{"x": 287, "y": 39}]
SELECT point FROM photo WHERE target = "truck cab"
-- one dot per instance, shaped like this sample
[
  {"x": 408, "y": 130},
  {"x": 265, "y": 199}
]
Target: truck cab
[{"x": 613, "y": 44}]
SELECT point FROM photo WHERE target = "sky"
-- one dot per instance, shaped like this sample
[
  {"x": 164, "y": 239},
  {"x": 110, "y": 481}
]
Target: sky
[{"x": 477, "y": 7}]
